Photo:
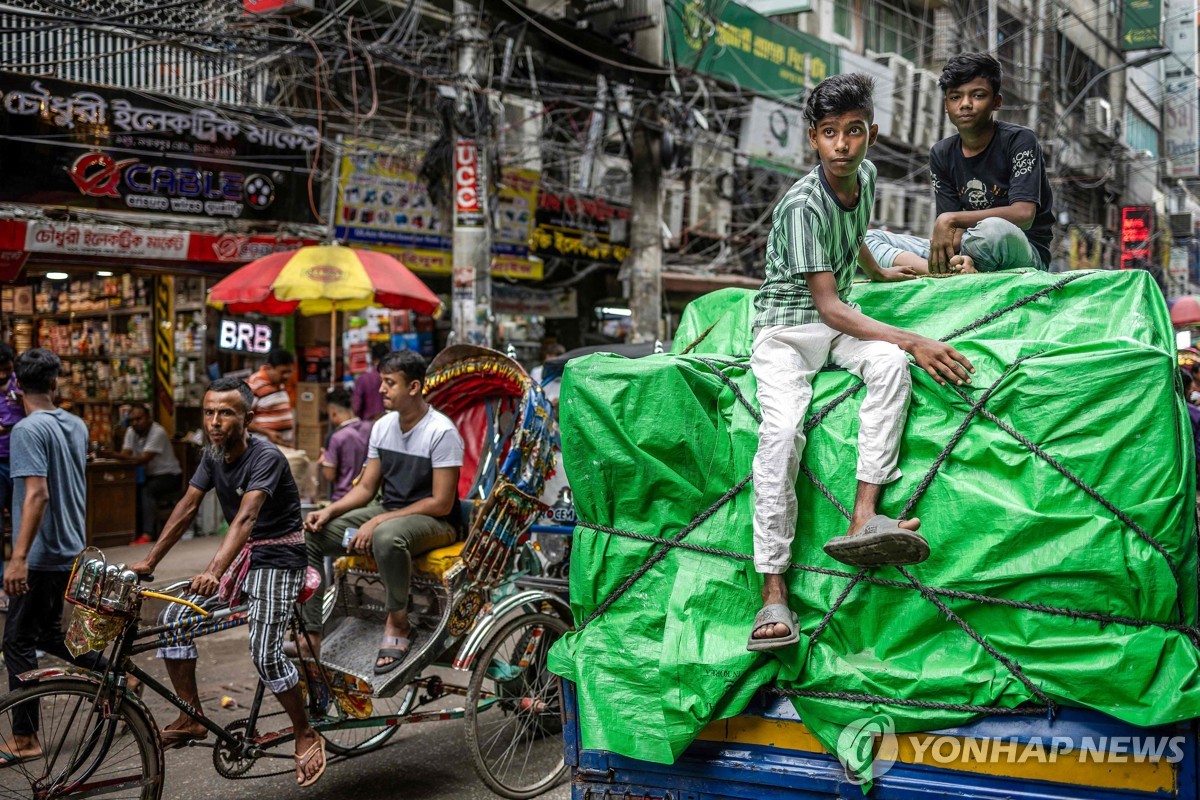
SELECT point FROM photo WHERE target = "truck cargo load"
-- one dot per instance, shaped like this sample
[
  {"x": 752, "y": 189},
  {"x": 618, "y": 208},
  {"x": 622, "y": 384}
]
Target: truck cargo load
[{"x": 1057, "y": 493}]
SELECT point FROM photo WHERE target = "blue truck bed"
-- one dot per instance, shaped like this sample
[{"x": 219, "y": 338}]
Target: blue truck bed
[{"x": 767, "y": 753}]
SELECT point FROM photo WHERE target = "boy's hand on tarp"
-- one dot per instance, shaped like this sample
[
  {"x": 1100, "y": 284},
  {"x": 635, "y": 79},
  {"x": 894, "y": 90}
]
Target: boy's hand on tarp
[{"x": 941, "y": 361}]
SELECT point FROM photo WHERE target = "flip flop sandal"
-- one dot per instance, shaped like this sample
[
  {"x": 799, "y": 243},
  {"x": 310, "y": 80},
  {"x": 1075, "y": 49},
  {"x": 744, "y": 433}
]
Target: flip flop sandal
[
  {"x": 173, "y": 738},
  {"x": 775, "y": 613},
  {"x": 302, "y": 762},
  {"x": 12, "y": 759},
  {"x": 396, "y": 648},
  {"x": 881, "y": 543}
]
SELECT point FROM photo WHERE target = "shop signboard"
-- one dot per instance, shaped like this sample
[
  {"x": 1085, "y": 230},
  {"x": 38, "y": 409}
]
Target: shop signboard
[
  {"x": 581, "y": 227},
  {"x": 384, "y": 205},
  {"x": 81, "y": 146},
  {"x": 739, "y": 46},
  {"x": 524, "y": 301},
  {"x": 116, "y": 241},
  {"x": 243, "y": 336},
  {"x": 1141, "y": 24},
  {"x": 1137, "y": 230},
  {"x": 1181, "y": 91},
  {"x": 467, "y": 211}
]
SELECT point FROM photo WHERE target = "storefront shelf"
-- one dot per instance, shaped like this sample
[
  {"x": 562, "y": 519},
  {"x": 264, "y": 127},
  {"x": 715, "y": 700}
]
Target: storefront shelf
[
  {"x": 99, "y": 357},
  {"x": 95, "y": 314}
]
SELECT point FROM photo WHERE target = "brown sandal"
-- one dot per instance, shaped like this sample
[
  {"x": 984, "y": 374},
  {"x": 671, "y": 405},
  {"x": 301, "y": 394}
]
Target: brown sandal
[
  {"x": 302, "y": 762},
  {"x": 177, "y": 737}
]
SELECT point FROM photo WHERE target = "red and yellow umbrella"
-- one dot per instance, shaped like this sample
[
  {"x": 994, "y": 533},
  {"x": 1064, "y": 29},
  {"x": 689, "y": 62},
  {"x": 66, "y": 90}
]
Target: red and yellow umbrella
[{"x": 323, "y": 279}]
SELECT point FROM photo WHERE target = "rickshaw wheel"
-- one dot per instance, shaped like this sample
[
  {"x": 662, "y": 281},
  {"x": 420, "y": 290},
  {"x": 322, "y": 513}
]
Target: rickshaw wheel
[{"x": 515, "y": 733}]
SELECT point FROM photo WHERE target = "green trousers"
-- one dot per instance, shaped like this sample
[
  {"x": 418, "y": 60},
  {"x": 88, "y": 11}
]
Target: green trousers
[{"x": 394, "y": 544}]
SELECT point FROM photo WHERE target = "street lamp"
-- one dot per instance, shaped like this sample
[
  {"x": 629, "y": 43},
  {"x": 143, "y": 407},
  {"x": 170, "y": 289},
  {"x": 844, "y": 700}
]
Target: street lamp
[{"x": 1140, "y": 61}]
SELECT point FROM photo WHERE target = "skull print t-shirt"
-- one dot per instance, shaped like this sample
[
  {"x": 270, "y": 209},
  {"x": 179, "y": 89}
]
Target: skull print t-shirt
[{"x": 1009, "y": 170}]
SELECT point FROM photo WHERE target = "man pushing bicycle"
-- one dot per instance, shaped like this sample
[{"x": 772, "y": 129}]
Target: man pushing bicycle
[{"x": 262, "y": 555}]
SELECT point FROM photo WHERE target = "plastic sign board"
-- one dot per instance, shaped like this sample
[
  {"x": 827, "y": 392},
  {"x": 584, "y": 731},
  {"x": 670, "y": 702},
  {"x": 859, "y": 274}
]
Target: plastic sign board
[
  {"x": 1141, "y": 24},
  {"x": 467, "y": 209},
  {"x": 245, "y": 337},
  {"x": 1181, "y": 90}
]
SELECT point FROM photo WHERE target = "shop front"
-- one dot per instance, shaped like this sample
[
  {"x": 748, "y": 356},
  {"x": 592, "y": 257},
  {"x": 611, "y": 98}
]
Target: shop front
[{"x": 117, "y": 211}]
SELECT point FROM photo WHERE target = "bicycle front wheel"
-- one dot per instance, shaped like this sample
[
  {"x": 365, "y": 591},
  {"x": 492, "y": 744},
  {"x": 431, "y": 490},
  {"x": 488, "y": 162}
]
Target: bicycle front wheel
[
  {"x": 514, "y": 709},
  {"x": 79, "y": 747}
]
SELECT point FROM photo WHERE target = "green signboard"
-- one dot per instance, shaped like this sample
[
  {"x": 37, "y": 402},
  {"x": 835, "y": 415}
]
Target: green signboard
[
  {"x": 731, "y": 43},
  {"x": 1141, "y": 24}
]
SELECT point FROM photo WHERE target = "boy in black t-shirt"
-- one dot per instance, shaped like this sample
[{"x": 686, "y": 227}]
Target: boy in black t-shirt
[
  {"x": 263, "y": 554},
  {"x": 993, "y": 197}
]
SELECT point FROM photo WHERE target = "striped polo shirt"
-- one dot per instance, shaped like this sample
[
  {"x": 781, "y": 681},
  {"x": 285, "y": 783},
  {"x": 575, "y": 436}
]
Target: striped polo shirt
[
  {"x": 272, "y": 406},
  {"x": 811, "y": 231}
]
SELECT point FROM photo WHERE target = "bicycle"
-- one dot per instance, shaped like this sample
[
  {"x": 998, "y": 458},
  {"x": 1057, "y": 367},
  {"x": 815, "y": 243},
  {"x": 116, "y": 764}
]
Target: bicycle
[{"x": 98, "y": 738}]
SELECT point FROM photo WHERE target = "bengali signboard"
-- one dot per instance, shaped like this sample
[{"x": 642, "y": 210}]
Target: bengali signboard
[
  {"x": 581, "y": 227},
  {"x": 1141, "y": 24},
  {"x": 383, "y": 204},
  {"x": 69, "y": 144},
  {"x": 734, "y": 44}
]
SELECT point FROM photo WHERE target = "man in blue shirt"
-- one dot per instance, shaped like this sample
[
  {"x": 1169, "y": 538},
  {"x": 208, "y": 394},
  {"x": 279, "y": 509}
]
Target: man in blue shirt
[{"x": 49, "y": 453}]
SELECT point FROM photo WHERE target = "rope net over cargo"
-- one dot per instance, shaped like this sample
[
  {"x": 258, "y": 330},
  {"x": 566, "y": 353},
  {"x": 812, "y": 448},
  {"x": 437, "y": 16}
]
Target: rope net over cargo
[{"x": 938, "y": 597}]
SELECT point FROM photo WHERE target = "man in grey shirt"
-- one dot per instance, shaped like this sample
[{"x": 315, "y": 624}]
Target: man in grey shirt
[
  {"x": 49, "y": 453},
  {"x": 148, "y": 445}
]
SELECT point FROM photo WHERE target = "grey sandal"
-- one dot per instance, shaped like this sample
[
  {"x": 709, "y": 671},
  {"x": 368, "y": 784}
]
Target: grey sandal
[
  {"x": 881, "y": 543},
  {"x": 772, "y": 614},
  {"x": 396, "y": 648}
]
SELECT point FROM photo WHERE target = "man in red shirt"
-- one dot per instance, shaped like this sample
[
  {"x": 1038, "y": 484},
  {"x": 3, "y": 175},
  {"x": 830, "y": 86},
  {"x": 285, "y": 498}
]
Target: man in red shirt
[{"x": 273, "y": 417}]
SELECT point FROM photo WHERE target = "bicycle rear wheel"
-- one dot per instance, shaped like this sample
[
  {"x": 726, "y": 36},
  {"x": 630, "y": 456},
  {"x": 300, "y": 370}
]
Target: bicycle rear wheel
[
  {"x": 87, "y": 748},
  {"x": 515, "y": 735}
]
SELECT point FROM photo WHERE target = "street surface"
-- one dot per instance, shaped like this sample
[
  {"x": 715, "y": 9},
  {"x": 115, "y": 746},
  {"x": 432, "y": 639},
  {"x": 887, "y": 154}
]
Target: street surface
[{"x": 429, "y": 761}]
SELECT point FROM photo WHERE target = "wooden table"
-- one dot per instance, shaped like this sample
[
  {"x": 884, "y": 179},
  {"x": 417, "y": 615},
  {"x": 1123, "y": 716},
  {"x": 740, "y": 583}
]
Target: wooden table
[{"x": 112, "y": 500}]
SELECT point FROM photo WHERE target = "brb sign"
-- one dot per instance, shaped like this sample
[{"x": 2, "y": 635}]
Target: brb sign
[
  {"x": 467, "y": 211},
  {"x": 245, "y": 337}
]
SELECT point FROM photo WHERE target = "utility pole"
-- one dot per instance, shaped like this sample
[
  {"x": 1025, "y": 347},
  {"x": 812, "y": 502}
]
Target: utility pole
[
  {"x": 471, "y": 299},
  {"x": 993, "y": 26},
  {"x": 1039, "y": 47},
  {"x": 645, "y": 234}
]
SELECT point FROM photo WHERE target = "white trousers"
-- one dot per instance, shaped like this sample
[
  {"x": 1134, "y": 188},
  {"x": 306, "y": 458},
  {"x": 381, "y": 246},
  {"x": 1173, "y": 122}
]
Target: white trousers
[{"x": 784, "y": 360}]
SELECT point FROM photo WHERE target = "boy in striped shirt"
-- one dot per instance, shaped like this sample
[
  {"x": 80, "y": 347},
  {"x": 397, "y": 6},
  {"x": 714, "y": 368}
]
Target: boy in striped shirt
[{"x": 804, "y": 321}]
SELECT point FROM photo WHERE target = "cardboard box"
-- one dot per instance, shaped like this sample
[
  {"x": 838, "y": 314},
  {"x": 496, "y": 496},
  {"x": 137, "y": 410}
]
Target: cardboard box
[
  {"x": 311, "y": 402},
  {"x": 310, "y": 439}
]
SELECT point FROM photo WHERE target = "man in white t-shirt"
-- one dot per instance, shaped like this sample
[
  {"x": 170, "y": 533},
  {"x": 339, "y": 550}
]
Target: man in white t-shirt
[
  {"x": 148, "y": 446},
  {"x": 414, "y": 455}
]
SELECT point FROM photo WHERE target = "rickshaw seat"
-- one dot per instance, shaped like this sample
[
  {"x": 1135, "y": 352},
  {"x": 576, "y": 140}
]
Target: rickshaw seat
[{"x": 435, "y": 563}]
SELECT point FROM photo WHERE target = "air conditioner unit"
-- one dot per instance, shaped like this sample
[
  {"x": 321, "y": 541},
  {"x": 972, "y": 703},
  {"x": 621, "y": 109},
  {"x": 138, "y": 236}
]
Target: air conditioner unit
[
  {"x": 920, "y": 217},
  {"x": 902, "y": 92},
  {"x": 523, "y": 133},
  {"x": 612, "y": 178},
  {"x": 709, "y": 210},
  {"x": 1182, "y": 225},
  {"x": 1097, "y": 118},
  {"x": 889, "y": 205},
  {"x": 927, "y": 111}
]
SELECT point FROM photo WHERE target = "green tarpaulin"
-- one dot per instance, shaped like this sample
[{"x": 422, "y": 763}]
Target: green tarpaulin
[{"x": 650, "y": 444}]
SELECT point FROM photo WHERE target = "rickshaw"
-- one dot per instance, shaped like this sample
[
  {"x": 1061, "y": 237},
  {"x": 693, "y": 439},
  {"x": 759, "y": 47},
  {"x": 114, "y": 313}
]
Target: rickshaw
[{"x": 482, "y": 605}]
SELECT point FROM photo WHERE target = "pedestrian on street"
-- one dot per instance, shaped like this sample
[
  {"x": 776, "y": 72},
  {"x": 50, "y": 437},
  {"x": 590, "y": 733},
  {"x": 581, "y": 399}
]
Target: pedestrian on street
[
  {"x": 12, "y": 411},
  {"x": 367, "y": 403},
  {"x": 49, "y": 455},
  {"x": 148, "y": 446},
  {"x": 343, "y": 458}
]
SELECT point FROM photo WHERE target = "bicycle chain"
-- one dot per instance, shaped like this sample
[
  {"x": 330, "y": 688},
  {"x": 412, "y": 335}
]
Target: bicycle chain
[{"x": 233, "y": 726}]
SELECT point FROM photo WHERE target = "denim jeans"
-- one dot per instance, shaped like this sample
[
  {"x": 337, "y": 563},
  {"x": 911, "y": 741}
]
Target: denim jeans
[{"x": 993, "y": 244}]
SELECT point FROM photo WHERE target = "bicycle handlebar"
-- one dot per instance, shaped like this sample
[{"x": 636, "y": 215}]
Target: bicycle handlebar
[{"x": 161, "y": 594}]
